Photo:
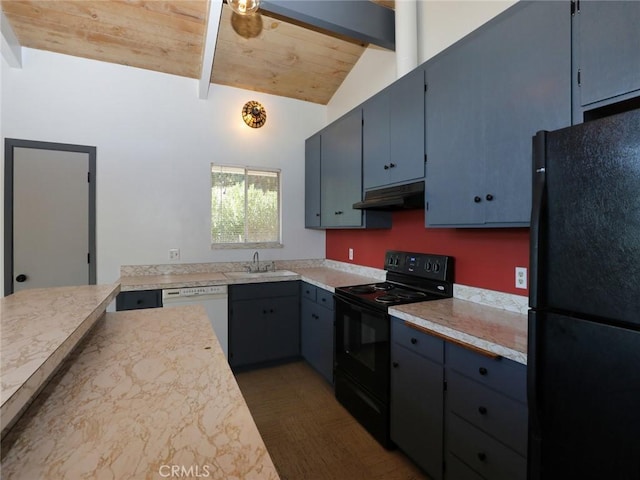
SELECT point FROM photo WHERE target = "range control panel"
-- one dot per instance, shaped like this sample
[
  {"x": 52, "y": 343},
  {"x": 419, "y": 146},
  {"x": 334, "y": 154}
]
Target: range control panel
[{"x": 425, "y": 265}]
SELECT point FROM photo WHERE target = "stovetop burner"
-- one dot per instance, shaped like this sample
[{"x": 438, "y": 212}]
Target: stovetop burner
[{"x": 411, "y": 277}]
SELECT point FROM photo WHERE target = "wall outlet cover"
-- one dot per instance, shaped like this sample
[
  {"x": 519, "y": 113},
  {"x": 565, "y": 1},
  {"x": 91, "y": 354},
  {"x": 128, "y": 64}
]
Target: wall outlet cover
[{"x": 521, "y": 277}]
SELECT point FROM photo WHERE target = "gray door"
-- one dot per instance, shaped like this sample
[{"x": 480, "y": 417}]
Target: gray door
[{"x": 49, "y": 233}]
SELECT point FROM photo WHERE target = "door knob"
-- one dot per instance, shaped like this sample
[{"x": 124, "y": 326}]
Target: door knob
[{"x": 21, "y": 278}]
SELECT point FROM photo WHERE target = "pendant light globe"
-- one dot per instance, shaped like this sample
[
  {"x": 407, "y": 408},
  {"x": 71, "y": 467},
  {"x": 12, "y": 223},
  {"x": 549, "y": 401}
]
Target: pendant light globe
[{"x": 244, "y": 7}]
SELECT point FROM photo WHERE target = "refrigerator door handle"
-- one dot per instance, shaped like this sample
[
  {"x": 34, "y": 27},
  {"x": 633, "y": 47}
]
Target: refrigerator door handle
[{"x": 537, "y": 208}]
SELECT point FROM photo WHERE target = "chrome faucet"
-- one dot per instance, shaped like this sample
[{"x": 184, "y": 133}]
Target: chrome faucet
[{"x": 256, "y": 261}]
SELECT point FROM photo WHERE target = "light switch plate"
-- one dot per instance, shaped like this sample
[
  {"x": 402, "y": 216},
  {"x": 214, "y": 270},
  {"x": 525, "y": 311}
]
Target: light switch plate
[
  {"x": 351, "y": 254},
  {"x": 174, "y": 254}
]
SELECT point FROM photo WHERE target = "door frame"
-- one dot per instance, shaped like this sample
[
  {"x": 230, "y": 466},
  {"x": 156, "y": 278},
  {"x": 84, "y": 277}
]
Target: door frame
[{"x": 9, "y": 145}]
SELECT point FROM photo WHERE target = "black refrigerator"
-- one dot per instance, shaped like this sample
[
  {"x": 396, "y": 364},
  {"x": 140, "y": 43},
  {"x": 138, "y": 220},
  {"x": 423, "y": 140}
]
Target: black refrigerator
[{"x": 584, "y": 322}]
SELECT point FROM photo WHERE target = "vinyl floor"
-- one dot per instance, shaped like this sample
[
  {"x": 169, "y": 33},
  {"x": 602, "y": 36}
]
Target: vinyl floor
[{"x": 309, "y": 435}]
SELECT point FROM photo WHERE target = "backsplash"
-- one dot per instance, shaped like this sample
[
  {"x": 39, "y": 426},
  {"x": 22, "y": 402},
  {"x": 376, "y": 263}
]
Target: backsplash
[{"x": 485, "y": 258}]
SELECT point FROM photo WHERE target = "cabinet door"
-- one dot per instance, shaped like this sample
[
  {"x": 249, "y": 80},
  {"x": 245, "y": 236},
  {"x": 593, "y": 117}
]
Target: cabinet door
[
  {"x": 406, "y": 128},
  {"x": 341, "y": 171},
  {"x": 417, "y": 408},
  {"x": 608, "y": 43},
  {"x": 487, "y": 96},
  {"x": 325, "y": 339},
  {"x": 526, "y": 87},
  {"x": 247, "y": 333},
  {"x": 312, "y": 182},
  {"x": 455, "y": 143},
  {"x": 309, "y": 345},
  {"x": 282, "y": 316},
  {"x": 375, "y": 140}
]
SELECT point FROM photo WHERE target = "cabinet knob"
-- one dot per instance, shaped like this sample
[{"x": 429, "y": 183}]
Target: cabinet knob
[
  {"x": 139, "y": 301},
  {"x": 482, "y": 456},
  {"x": 482, "y": 371},
  {"x": 392, "y": 165},
  {"x": 482, "y": 410},
  {"x": 395, "y": 364},
  {"x": 386, "y": 167},
  {"x": 477, "y": 199},
  {"x": 317, "y": 214},
  {"x": 489, "y": 197},
  {"x": 414, "y": 340},
  {"x": 271, "y": 311},
  {"x": 264, "y": 312},
  {"x": 339, "y": 212}
]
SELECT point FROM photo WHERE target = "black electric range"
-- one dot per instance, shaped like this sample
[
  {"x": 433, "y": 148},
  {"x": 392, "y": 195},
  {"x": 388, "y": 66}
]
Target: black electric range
[
  {"x": 363, "y": 330},
  {"x": 411, "y": 277}
]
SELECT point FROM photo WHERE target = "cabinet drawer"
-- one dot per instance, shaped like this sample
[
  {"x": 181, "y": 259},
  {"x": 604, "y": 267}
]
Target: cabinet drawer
[
  {"x": 482, "y": 453},
  {"x": 325, "y": 298},
  {"x": 263, "y": 290},
  {"x": 457, "y": 470},
  {"x": 502, "y": 417},
  {"x": 500, "y": 373},
  {"x": 308, "y": 291},
  {"x": 139, "y": 299},
  {"x": 417, "y": 341}
]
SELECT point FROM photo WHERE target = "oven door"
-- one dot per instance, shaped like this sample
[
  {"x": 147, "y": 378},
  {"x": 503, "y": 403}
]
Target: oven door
[{"x": 362, "y": 346}]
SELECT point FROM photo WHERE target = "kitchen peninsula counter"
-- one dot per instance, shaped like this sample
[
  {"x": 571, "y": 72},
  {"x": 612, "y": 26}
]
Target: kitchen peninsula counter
[
  {"x": 145, "y": 392},
  {"x": 40, "y": 327},
  {"x": 486, "y": 329}
]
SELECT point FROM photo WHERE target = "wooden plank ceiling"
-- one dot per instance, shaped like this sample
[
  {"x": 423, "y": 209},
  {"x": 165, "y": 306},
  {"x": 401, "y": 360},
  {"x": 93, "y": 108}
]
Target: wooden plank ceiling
[{"x": 258, "y": 53}]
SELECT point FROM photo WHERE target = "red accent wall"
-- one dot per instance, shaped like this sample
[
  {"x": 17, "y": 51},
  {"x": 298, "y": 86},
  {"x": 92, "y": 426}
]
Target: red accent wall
[{"x": 484, "y": 258}]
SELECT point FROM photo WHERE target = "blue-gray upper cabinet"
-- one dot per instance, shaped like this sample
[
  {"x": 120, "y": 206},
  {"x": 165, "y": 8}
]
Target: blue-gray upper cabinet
[
  {"x": 393, "y": 133},
  {"x": 341, "y": 176},
  {"x": 607, "y": 52},
  {"x": 487, "y": 95},
  {"x": 312, "y": 181}
]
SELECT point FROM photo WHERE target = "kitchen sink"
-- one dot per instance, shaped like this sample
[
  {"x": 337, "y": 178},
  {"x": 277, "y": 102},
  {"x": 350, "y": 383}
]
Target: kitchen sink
[{"x": 277, "y": 273}]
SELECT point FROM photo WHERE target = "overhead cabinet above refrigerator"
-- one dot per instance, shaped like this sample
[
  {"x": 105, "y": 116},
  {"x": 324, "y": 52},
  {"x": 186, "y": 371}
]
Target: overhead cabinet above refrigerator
[{"x": 486, "y": 97}]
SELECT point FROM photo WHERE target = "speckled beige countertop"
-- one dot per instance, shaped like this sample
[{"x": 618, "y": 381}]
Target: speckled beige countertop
[
  {"x": 493, "y": 330},
  {"x": 324, "y": 277},
  {"x": 500, "y": 329},
  {"x": 145, "y": 392},
  {"x": 39, "y": 327}
]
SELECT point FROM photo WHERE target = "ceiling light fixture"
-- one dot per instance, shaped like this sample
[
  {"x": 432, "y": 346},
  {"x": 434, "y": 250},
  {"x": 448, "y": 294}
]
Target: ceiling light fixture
[
  {"x": 254, "y": 114},
  {"x": 244, "y": 7}
]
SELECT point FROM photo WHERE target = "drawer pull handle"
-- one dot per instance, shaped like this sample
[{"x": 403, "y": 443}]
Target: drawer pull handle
[
  {"x": 414, "y": 341},
  {"x": 395, "y": 364},
  {"x": 482, "y": 457},
  {"x": 482, "y": 371},
  {"x": 482, "y": 410}
]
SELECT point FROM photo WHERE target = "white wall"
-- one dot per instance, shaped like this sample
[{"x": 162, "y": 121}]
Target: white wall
[
  {"x": 155, "y": 140},
  {"x": 441, "y": 24}
]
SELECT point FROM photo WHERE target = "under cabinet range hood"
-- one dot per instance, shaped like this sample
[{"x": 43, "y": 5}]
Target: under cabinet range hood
[{"x": 402, "y": 197}]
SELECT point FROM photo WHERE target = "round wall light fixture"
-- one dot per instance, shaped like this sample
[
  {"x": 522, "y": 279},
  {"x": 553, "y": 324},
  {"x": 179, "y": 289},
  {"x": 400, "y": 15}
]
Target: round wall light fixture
[
  {"x": 244, "y": 7},
  {"x": 254, "y": 114}
]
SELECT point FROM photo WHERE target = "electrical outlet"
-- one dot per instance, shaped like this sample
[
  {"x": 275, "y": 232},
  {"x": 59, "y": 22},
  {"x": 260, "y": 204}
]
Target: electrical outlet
[
  {"x": 521, "y": 277},
  {"x": 174, "y": 254},
  {"x": 351, "y": 254}
]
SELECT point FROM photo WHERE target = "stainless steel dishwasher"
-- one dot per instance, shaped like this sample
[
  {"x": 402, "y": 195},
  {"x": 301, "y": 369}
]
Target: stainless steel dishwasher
[{"x": 214, "y": 300}]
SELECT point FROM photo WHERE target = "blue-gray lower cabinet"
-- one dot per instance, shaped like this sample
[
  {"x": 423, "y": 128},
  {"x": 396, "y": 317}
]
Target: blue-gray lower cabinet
[
  {"x": 458, "y": 414},
  {"x": 417, "y": 396},
  {"x": 138, "y": 299},
  {"x": 264, "y": 322},
  {"x": 485, "y": 415},
  {"x": 487, "y": 95},
  {"x": 606, "y": 53},
  {"x": 317, "y": 329}
]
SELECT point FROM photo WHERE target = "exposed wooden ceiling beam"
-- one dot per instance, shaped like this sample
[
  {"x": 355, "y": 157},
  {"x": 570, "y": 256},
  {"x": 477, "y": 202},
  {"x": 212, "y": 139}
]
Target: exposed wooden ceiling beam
[
  {"x": 11, "y": 49},
  {"x": 358, "y": 19},
  {"x": 210, "y": 40}
]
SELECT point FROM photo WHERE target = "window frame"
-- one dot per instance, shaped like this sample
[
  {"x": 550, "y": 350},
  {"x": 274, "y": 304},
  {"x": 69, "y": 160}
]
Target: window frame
[{"x": 248, "y": 245}]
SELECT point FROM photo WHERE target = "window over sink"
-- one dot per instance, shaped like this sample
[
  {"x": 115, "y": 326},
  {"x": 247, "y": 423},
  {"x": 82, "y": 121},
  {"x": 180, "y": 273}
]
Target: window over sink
[{"x": 245, "y": 207}]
